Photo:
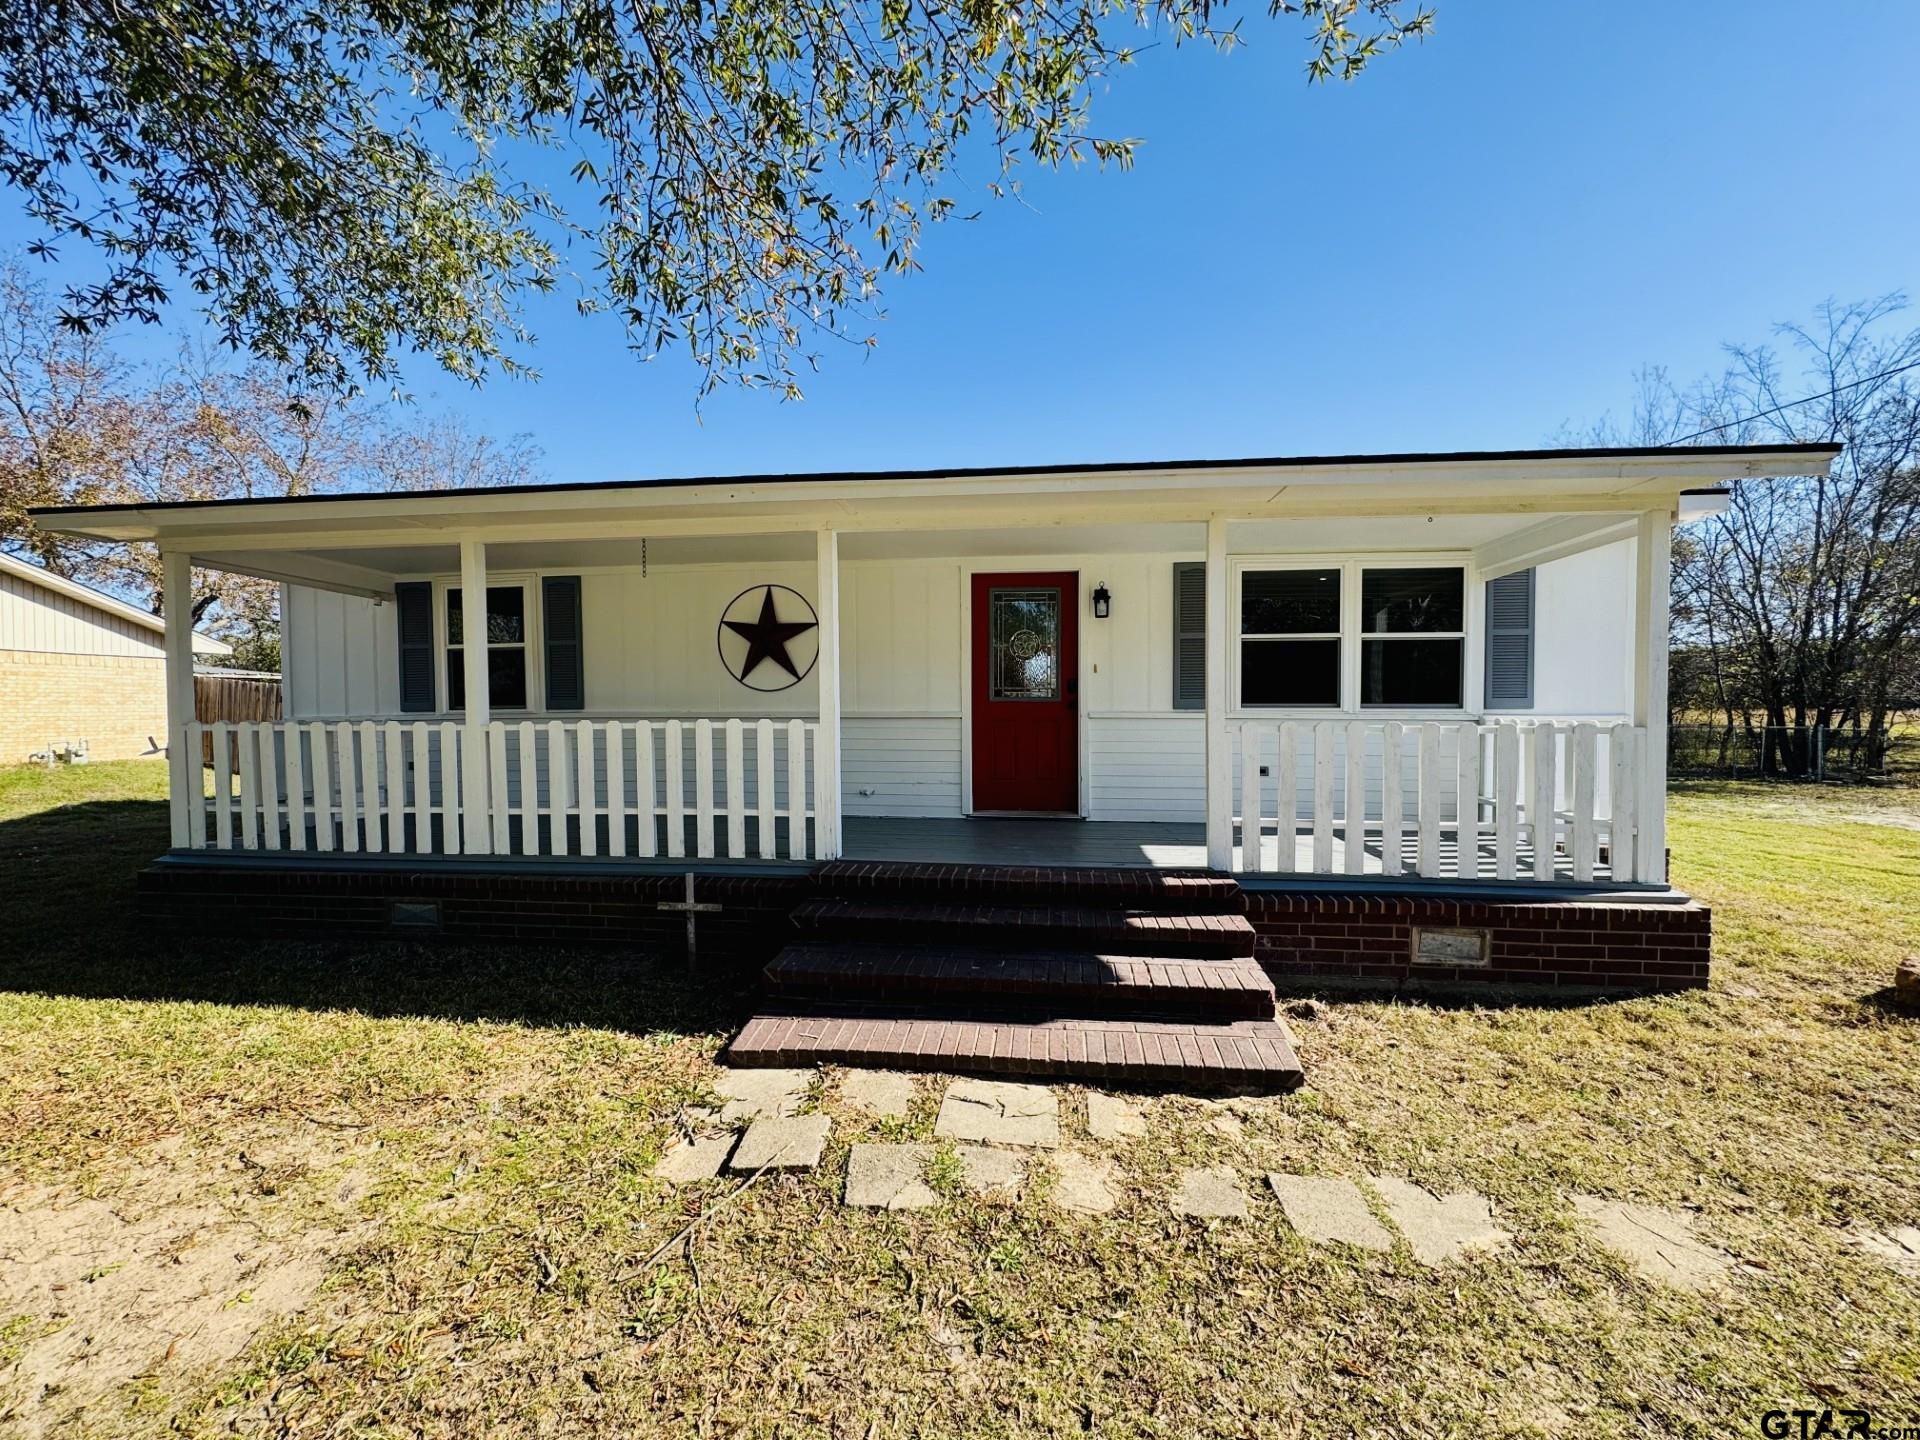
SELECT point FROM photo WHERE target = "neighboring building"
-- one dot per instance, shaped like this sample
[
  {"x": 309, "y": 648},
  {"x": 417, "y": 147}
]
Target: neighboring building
[
  {"x": 1027, "y": 764},
  {"x": 80, "y": 672}
]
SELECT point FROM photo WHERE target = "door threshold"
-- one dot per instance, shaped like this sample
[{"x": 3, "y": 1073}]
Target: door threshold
[{"x": 1024, "y": 815}]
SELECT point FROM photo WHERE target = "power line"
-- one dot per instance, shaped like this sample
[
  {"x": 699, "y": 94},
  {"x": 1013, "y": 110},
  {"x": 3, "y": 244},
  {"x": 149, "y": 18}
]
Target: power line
[{"x": 1796, "y": 404}]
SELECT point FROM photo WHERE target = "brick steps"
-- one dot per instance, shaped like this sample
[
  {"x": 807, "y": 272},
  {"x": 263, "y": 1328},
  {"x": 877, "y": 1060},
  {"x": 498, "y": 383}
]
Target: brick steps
[
  {"x": 1254, "y": 1054},
  {"x": 1127, "y": 975},
  {"x": 1041, "y": 983},
  {"x": 1178, "y": 892},
  {"x": 974, "y": 925}
]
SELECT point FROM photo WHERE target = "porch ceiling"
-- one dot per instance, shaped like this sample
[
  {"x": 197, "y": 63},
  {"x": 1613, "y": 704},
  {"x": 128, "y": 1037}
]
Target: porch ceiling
[{"x": 1509, "y": 540}]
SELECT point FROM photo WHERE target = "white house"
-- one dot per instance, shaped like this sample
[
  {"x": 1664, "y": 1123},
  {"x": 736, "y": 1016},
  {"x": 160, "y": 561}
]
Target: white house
[
  {"x": 81, "y": 671},
  {"x": 1439, "y": 676}
]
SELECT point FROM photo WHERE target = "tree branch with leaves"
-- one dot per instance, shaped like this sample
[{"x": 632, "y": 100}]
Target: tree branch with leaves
[{"x": 340, "y": 182}]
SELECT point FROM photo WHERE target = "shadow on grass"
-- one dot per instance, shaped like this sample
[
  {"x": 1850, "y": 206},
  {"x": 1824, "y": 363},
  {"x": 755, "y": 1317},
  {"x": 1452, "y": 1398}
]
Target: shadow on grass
[
  {"x": 68, "y": 927},
  {"x": 1890, "y": 1001}
]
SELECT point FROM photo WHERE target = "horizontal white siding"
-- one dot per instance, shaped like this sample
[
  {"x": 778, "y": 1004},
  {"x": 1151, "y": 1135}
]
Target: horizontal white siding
[
  {"x": 900, "y": 765},
  {"x": 1147, "y": 767},
  {"x": 35, "y": 618}
]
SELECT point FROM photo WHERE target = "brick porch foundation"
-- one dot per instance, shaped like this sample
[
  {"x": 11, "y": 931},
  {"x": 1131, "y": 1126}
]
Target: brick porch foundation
[
  {"x": 1321, "y": 937},
  {"x": 1303, "y": 936},
  {"x": 476, "y": 903}
]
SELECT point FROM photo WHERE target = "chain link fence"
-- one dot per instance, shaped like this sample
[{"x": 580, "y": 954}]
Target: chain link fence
[{"x": 1788, "y": 752}]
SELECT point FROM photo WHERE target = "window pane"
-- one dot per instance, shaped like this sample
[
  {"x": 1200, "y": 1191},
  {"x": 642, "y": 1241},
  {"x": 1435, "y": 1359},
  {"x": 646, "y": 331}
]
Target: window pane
[
  {"x": 456, "y": 679},
  {"x": 1289, "y": 602},
  {"x": 1410, "y": 672},
  {"x": 507, "y": 678},
  {"x": 1410, "y": 601},
  {"x": 506, "y": 616},
  {"x": 1289, "y": 672},
  {"x": 1024, "y": 632}
]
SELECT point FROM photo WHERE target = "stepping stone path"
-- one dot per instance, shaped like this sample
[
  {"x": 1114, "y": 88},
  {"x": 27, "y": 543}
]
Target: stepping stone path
[
  {"x": 1084, "y": 1184},
  {"x": 781, "y": 1142},
  {"x": 1212, "y": 1194},
  {"x": 1111, "y": 1118},
  {"x": 758, "y": 1094},
  {"x": 1439, "y": 1228},
  {"x": 990, "y": 1172},
  {"x": 690, "y": 1160},
  {"x": 889, "y": 1177},
  {"x": 1899, "y": 1247},
  {"x": 998, "y": 1112},
  {"x": 1659, "y": 1243},
  {"x": 885, "y": 1093},
  {"x": 1328, "y": 1210}
]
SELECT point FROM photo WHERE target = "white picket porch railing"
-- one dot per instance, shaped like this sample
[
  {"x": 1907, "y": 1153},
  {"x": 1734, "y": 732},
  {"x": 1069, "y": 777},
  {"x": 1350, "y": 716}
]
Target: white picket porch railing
[
  {"x": 644, "y": 788},
  {"x": 1504, "y": 800}
]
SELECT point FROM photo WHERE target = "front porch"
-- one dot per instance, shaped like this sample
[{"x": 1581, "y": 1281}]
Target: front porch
[{"x": 1392, "y": 720}]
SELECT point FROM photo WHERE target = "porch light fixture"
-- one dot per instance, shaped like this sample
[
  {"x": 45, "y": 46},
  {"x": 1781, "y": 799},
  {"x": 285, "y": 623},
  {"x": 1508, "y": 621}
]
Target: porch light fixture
[{"x": 1102, "y": 602}]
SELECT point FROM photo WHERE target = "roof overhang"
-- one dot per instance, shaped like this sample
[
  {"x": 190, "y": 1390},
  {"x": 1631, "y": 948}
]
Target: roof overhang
[{"x": 1547, "y": 480}]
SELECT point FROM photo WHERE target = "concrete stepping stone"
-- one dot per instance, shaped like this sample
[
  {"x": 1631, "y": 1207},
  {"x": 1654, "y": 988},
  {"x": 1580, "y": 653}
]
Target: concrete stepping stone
[
  {"x": 999, "y": 1112},
  {"x": 689, "y": 1160},
  {"x": 1440, "y": 1227},
  {"x": 990, "y": 1172},
  {"x": 1329, "y": 1211},
  {"x": 1085, "y": 1184},
  {"x": 1899, "y": 1247},
  {"x": 889, "y": 1177},
  {"x": 1659, "y": 1243},
  {"x": 1111, "y": 1118},
  {"x": 885, "y": 1093},
  {"x": 755, "y": 1094},
  {"x": 781, "y": 1142},
  {"x": 1210, "y": 1194}
]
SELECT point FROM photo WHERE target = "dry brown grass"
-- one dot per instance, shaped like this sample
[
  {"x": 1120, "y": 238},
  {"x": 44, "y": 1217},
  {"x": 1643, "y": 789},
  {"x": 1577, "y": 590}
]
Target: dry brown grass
[{"x": 464, "y": 1138}]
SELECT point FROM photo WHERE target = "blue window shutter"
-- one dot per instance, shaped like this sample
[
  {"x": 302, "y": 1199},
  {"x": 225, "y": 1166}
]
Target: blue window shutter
[
  {"x": 413, "y": 604},
  {"x": 1190, "y": 636},
  {"x": 1510, "y": 641},
  {"x": 566, "y": 654}
]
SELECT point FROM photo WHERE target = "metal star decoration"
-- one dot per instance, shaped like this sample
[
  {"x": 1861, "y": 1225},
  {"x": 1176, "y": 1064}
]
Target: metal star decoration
[{"x": 767, "y": 637}]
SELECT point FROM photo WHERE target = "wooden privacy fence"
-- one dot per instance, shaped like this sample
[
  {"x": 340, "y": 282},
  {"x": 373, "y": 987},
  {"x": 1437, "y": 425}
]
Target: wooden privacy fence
[
  {"x": 743, "y": 789},
  {"x": 239, "y": 696}
]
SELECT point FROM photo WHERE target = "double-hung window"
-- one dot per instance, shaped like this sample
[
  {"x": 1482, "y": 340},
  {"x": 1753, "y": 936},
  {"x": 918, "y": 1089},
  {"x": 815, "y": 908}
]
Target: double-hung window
[
  {"x": 1353, "y": 635},
  {"x": 1290, "y": 637},
  {"x": 1413, "y": 636},
  {"x": 506, "y": 642}
]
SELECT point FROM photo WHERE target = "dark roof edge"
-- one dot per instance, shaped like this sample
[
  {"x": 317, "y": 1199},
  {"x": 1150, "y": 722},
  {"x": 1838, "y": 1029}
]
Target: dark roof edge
[{"x": 977, "y": 472}]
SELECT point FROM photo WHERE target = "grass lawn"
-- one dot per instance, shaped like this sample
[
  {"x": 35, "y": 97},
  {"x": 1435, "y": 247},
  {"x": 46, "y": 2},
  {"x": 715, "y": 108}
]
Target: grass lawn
[{"x": 379, "y": 1190}]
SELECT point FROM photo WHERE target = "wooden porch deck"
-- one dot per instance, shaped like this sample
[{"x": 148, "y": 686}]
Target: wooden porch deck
[{"x": 1159, "y": 845}]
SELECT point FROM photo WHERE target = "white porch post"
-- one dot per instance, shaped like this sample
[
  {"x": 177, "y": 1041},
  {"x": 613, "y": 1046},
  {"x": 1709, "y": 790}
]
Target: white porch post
[
  {"x": 476, "y": 810},
  {"x": 1653, "y": 570},
  {"x": 1219, "y": 753},
  {"x": 183, "y": 769},
  {"x": 826, "y": 803}
]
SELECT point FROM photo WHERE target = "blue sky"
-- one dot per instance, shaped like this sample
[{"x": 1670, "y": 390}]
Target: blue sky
[{"x": 1477, "y": 242}]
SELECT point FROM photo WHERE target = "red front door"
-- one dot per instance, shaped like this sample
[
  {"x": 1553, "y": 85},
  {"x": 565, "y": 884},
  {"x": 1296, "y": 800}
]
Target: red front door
[{"x": 1026, "y": 683}]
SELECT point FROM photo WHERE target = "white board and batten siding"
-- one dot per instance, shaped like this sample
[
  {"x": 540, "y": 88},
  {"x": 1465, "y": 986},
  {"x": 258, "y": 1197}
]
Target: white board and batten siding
[{"x": 651, "y": 652}]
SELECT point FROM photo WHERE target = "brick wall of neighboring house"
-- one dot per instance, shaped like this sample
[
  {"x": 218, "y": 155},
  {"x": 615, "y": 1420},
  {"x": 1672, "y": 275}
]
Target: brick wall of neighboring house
[
  {"x": 476, "y": 904},
  {"x": 1566, "y": 945},
  {"x": 116, "y": 703}
]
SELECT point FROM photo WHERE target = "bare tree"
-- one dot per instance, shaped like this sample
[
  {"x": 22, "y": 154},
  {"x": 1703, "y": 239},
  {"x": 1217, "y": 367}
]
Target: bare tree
[
  {"x": 1806, "y": 593},
  {"x": 80, "y": 426}
]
